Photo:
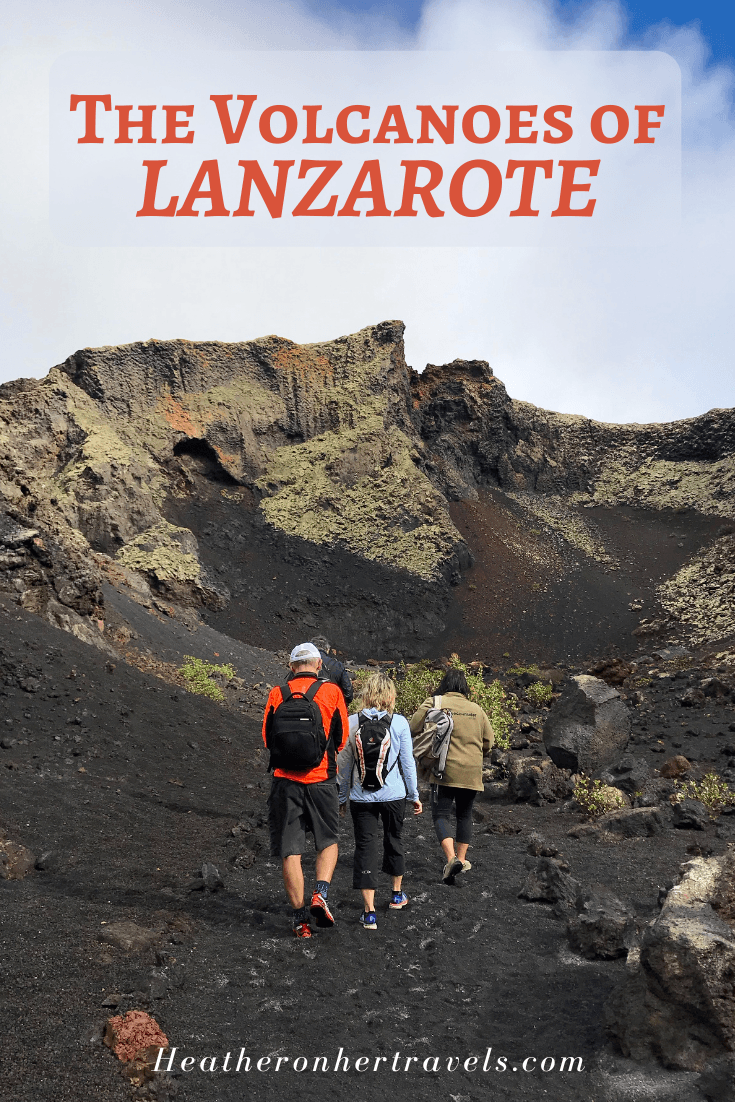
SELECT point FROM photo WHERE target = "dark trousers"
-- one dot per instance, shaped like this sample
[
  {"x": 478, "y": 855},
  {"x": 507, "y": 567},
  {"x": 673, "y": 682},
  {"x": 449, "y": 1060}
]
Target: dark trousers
[
  {"x": 367, "y": 820},
  {"x": 444, "y": 800}
]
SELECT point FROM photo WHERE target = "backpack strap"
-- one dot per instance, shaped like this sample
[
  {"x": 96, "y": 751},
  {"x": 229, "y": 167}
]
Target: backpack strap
[
  {"x": 389, "y": 717},
  {"x": 287, "y": 691},
  {"x": 362, "y": 718}
]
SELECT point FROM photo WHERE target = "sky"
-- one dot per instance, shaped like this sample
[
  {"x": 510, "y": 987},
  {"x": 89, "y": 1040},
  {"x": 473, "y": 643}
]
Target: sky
[
  {"x": 714, "y": 18},
  {"x": 614, "y": 333}
]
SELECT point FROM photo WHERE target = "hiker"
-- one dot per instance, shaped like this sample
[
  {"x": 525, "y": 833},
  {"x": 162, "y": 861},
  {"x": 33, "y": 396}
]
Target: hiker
[
  {"x": 305, "y": 726},
  {"x": 378, "y": 772},
  {"x": 333, "y": 669},
  {"x": 472, "y": 737}
]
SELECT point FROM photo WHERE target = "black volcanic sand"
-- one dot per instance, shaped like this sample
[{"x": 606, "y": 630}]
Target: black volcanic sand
[
  {"x": 509, "y": 601},
  {"x": 514, "y": 603},
  {"x": 171, "y": 641},
  {"x": 282, "y": 588},
  {"x": 132, "y": 785}
]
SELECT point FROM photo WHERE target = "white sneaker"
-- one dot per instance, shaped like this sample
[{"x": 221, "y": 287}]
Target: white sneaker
[{"x": 451, "y": 869}]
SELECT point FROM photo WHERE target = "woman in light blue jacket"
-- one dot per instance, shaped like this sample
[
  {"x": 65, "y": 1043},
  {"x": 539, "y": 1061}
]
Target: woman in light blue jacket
[{"x": 386, "y": 805}]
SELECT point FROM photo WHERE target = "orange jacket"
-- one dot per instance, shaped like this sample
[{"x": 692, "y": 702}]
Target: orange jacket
[{"x": 334, "y": 717}]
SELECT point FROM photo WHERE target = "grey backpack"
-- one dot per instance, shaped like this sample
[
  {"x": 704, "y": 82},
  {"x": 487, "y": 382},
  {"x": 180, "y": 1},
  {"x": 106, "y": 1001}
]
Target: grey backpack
[{"x": 431, "y": 744}]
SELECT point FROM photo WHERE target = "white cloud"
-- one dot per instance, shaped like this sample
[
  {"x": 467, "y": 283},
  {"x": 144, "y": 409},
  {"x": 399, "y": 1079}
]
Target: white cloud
[{"x": 618, "y": 334}]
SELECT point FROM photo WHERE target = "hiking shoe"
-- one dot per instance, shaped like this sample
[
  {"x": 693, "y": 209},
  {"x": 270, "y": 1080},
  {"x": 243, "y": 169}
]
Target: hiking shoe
[
  {"x": 452, "y": 869},
  {"x": 321, "y": 912},
  {"x": 466, "y": 866},
  {"x": 400, "y": 899},
  {"x": 302, "y": 929},
  {"x": 368, "y": 920}
]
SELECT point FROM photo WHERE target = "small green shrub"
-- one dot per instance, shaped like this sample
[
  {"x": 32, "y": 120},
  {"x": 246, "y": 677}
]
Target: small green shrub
[
  {"x": 712, "y": 791},
  {"x": 359, "y": 677},
  {"x": 516, "y": 671},
  {"x": 414, "y": 683},
  {"x": 539, "y": 694},
  {"x": 419, "y": 680},
  {"x": 595, "y": 798},
  {"x": 199, "y": 677}
]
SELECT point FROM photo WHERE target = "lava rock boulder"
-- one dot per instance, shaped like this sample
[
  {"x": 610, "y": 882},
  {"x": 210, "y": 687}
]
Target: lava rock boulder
[
  {"x": 548, "y": 881},
  {"x": 588, "y": 727},
  {"x": 677, "y": 1003},
  {"x": 603, "y": 927}
]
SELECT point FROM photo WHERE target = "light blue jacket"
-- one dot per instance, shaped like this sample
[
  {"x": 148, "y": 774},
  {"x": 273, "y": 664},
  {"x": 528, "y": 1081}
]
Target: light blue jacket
[{"x": 401, "y": 747}]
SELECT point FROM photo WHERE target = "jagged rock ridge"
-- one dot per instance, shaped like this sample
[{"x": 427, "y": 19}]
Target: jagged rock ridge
[{"x": 338, "y": 447}]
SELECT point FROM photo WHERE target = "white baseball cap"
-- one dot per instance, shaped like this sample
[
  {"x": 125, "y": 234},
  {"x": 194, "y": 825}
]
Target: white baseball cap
[{"x": 303, "y": 652}]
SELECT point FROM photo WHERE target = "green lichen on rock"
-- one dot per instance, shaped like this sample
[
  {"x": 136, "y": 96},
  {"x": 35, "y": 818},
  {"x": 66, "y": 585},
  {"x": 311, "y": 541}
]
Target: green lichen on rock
[
  {"x": 164, "y": 551},
  {"x": 108, "y": 452},
  {"x": 702, "y": 594},
  {"x": 704, "y": 485},
  {"x": 360, "y": 489},
  {"x": 557, "y": 513}
]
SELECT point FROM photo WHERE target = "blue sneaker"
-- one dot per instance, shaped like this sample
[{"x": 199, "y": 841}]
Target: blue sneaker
[
  {"x": 399, "y": 900},
  {"x": 368, "y": 920}
]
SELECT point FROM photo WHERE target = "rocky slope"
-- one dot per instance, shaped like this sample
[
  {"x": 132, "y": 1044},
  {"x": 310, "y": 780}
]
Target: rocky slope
[
  {"x": 117, "y": 789},
  {"x": 365, "y": 491},
  {"x": 225, "y": 501}
]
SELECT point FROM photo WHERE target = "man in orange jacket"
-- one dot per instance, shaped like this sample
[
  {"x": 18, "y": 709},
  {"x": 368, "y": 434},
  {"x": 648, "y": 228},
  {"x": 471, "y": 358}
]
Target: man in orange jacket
[{"x": 305, "y": 726}]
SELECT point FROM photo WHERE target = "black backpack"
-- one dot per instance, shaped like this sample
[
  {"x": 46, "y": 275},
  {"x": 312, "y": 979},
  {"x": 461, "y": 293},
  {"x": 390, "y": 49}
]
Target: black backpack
[
  {"x": 372, "y": 746},
  {"x": 295, "y": 731}
]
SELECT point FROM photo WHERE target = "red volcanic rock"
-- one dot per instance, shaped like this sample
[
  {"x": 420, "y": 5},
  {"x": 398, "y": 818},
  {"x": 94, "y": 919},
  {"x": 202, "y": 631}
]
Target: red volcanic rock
[
  {"x": 675, "y": 767},
  {"x": 130, "y": 1034}
]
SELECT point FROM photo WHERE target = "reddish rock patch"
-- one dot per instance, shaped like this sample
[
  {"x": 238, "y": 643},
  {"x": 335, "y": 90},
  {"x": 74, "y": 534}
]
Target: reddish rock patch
[{"x": 129, "y": 1035}]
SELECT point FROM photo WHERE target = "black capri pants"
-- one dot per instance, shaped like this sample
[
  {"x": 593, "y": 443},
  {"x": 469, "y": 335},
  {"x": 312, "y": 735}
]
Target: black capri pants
[
  {"x": 367, "y": 819},
  {"x": 444, "y": 800}
]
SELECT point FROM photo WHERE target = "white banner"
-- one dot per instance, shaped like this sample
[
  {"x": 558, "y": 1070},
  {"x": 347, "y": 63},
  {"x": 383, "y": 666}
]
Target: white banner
[{"x": 365, "y": 148}]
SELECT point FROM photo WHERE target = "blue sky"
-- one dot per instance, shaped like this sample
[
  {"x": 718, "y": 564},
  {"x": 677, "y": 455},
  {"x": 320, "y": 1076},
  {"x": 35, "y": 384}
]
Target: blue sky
[{"x": 715, "y": 20}]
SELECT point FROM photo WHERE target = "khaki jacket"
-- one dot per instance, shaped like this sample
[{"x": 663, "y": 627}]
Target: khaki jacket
[{"x": 472, "y": 737}]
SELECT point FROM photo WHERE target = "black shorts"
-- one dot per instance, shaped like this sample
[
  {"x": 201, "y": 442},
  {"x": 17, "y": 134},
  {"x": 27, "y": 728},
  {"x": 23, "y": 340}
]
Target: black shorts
[{"x": 294, "y": 808}]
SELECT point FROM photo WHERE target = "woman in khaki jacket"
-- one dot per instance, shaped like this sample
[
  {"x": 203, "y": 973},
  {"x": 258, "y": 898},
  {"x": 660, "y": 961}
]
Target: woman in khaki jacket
[{"x": 472, "y": 737}]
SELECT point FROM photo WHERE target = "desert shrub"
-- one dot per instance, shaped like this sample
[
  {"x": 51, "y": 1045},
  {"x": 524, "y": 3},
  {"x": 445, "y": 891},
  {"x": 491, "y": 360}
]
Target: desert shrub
[
  {"x": 516, "y": 671},
  {"x": 595, "y": 798},
  {"x": 413, "y": 684},
  {"x": 501, "y": 708},
  {"x": 712, "y": 791},
  {"x": 359, "y": 677},
  {"x": 200, "y": 677},
  {"x": 416, "y": 682},
  {"x": 539, "y": 694}
]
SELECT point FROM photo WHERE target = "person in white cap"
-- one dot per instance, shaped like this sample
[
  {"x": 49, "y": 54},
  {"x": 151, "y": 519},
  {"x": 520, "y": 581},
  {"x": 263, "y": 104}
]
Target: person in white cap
[{"x": 305, "y": 726}]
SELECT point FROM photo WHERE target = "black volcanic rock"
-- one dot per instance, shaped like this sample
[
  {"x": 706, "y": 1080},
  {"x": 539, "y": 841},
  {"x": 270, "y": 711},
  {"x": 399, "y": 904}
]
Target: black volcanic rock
[
  {"x": 603, "y": 927},
  {"x": 132, "y": 809},
  {"x": 338, "y": 458},
  {"x": 587, "y": 727}
]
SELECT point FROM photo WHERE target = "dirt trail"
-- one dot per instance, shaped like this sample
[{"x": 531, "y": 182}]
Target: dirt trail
[{"x": 132, "y": 786}]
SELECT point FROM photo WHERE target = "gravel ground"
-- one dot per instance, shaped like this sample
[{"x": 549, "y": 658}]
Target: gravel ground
[{"x": 124, "y": 786}]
